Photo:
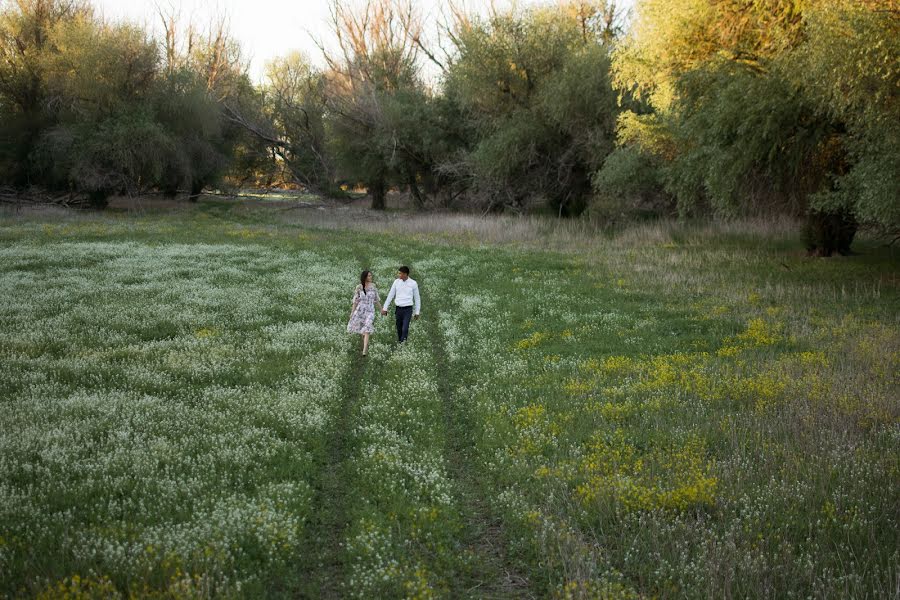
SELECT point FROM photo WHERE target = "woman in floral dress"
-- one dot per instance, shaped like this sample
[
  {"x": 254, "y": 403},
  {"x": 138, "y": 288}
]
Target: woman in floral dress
[{"x": 362, "y": 315}]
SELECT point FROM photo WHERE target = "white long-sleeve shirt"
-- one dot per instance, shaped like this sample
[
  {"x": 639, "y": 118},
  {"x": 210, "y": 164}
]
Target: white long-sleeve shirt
[{"x": 404, "y": 293}]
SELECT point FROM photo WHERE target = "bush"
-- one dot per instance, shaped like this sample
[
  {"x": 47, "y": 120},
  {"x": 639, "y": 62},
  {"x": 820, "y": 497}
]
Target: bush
[
  {"x": 630, "y": 184},
  {"x": 825, "y": 233},
  {"x": 125, "y": 153}
]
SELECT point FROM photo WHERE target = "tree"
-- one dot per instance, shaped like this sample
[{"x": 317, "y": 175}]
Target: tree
[
  {"x": 216, "y": 63},
  {"x": 848, "y": 68},
  {"x": 737, "y": 121},
  {"x": 535, "y": 87},
  {"x": 296, "y": 105},
  {"x": 377, "y": 102},
  {"x": 201, "y": 151},
  {"x": 25, "y": 28},
  {"x": 750, "y": 142},
  {"x": 95, "y": 93},
  {"x": 89, "y": 107}
]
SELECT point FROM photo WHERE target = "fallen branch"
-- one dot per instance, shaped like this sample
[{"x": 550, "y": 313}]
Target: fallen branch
[{"x": 33, "y": 197}]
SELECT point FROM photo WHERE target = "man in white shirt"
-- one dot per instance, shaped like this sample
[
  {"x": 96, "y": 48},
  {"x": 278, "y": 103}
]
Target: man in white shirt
[{"x": 405, "y": 294}]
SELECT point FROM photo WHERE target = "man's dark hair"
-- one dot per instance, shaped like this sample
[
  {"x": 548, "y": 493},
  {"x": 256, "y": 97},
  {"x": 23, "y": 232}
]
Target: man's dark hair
[{"x": 404, "y": 269}]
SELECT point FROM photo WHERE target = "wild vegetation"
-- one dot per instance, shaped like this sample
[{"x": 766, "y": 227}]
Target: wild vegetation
[
  {"x": 682, "y": 404},
  {"x": 100, "y": 108},
  {"x": 700, "y": 107},
  {"x": 670, "y": 412}
]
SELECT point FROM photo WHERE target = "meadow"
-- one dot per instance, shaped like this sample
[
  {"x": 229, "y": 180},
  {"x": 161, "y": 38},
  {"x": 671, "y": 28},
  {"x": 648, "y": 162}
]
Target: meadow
[{"x": 666, "y": 411}]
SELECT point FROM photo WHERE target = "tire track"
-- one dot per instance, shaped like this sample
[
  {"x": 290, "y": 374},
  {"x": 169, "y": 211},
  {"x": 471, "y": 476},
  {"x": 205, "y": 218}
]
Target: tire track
[
  {"x": 489, "y": 573},
  {"x": 331, "y": 511}
]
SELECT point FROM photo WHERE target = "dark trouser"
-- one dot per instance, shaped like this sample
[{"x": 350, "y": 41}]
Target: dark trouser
[{"x": 403, "y": 314}]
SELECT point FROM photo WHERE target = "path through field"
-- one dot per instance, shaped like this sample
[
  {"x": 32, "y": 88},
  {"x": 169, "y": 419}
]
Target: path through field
[{"x": 183, "y": 415}]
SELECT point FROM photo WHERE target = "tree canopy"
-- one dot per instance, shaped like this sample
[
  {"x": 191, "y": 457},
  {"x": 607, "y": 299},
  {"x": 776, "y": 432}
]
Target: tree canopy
[
  {"x": 91, "y": 106},
  {"x": 769, "y": 105}
]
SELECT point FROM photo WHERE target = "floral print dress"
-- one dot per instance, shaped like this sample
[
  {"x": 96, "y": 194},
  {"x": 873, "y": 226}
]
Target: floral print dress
[{"x": 363, "y": 318}]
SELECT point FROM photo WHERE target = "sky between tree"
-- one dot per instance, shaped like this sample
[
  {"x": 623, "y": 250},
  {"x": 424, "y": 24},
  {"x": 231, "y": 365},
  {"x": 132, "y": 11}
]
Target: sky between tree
[{"x": 270, "y": 28}]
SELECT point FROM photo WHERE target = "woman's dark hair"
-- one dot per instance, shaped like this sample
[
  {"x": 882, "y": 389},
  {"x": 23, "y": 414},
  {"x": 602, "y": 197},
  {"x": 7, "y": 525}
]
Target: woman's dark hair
[
  {"x": 404, "y": 269},
  {"x": 362, "y": 280}
]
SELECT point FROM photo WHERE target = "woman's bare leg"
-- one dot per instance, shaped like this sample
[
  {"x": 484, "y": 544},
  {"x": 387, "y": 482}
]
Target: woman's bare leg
[{"x": 365, "y": 343}]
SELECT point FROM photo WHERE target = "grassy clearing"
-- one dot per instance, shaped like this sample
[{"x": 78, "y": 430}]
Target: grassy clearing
[{"x": 668, "y": 411}]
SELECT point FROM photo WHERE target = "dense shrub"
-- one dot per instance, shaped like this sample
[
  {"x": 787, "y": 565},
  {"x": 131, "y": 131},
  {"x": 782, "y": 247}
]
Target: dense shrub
[
  {"x": 102, "y": 159},
  {"x": 629, "y": 185}
]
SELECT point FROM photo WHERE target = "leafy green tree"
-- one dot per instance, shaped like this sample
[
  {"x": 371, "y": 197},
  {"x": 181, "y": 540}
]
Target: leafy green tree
[
  {"x": 200, "y": 151},
  {"x": 750, "y": 143},
  {"x": 96, "y": 90},
  {"x": 378, "y": 105},
  {"x": 739, "y": 118},
  {"x": 294, "y": 96},
  {"x": 215, "y": 63},
  {"x": 849, "y": 68},
  {"x": 89, "y": 107},
  {"x": 669, "y": 38},
  {"x": 535, "y": 86},
  {"x": 25, "y": 40}
]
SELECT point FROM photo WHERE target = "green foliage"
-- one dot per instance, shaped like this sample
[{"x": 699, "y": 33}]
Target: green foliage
[
  {"x": 203, "y": 144},
  {"x": 294, "y": 103},
  {"x": 102, "y": 158},
  {"x": 769, "y": 105},
  {"x": 628, "y": 185},
  {"x": 728, "y": 107},
  {"x": 87, "y": 107},
  {"x": 749, "y": 142},
  {"x": 848, "y": 67},
  {"x": 536, "y": 88},
  {"x": 871, "y": 188},
  {"x": 91, "y": 147},
  {"x": 25, "y": 39},
  {"x": 96, "y": 69},
  {"x": 670, "y": 38},
  {"x": 381, "y": 128}
]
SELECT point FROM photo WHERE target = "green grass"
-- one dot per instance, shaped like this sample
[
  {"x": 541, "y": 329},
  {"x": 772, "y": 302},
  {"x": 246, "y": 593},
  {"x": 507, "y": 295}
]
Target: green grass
[{"x": 668, "y": 411}]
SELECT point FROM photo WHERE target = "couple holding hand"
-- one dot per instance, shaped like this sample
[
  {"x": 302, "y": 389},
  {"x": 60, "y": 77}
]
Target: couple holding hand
[{"x": 405, "y": 295}]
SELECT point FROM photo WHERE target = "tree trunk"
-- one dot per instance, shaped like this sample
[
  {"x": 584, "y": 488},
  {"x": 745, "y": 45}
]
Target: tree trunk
[
  {"x": 415, "y": 192},
  {"x": 377, "y": 190},
  {"x": 196, "y": 190}
]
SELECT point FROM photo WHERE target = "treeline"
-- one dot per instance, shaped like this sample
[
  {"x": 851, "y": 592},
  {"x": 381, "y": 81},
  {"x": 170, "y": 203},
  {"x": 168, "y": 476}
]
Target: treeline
[
  {"x": 101, "y": 108},
  {"x": 696, "y": 107}
]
